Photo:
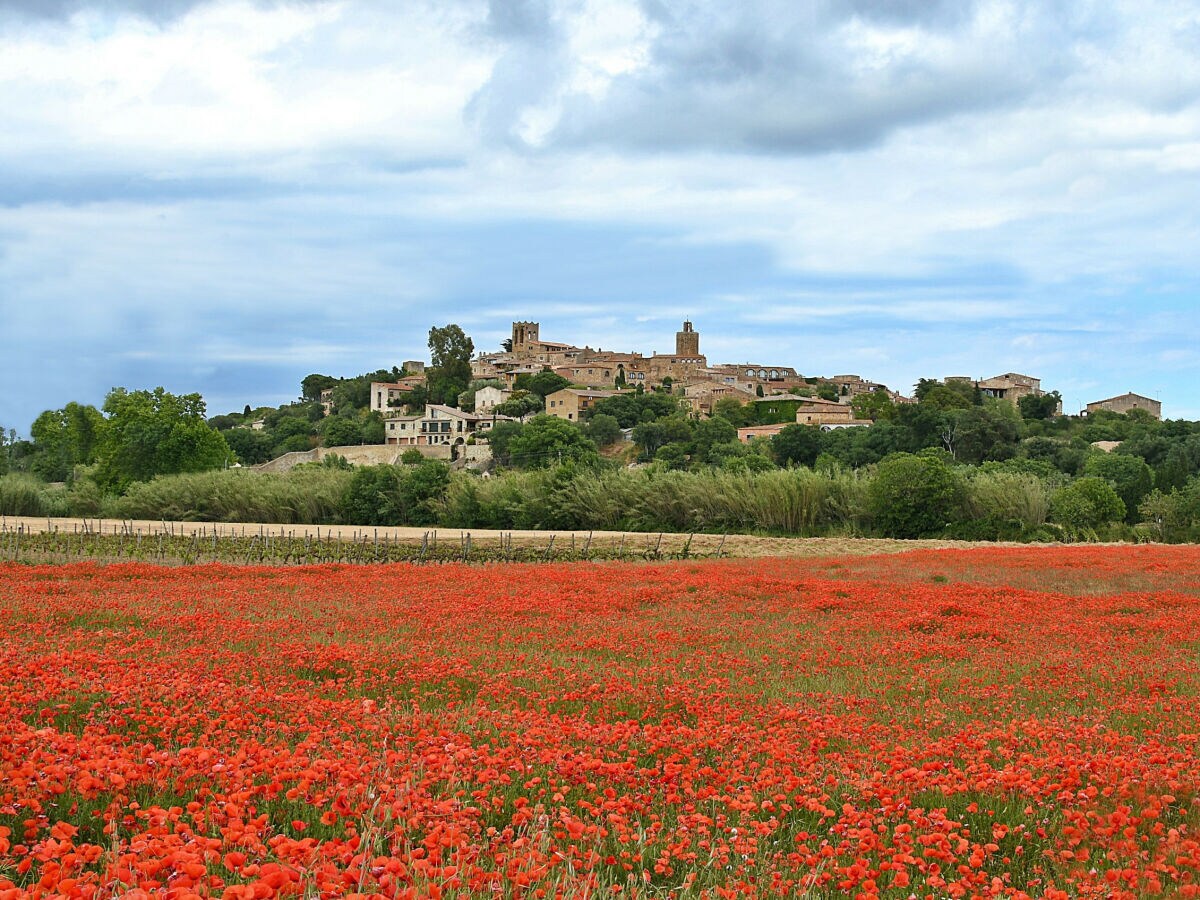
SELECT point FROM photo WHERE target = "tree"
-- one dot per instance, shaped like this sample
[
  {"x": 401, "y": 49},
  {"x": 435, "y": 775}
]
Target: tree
[
  {"x": 342, "y": 431},
  {"x": 450, "y": 352},
  {"x": 149, "y": 433},
  {"x": 520, "y": 404},
  {"x": 984, "y": 433},
  {"x": 1086, "y": 504},
  {"x": 311, "y": 386},
  {"x": 545, "y": 383},
  {"x": 827, "y": 390},
  {"x": 394, "y": 495},
  {"x": 875, "y": 405},
  {"x": 652, "y": 435},
  {"x": 797, "y": 445},
  {"x": 1129, "y": 475},
  {"x": 547, "y": 440},
  {"x": 734, "y": 411},
  {"x": 251, "y": 447},
  {"x": 500, "y": 436},
  {"x": 603, "y": 429},
  {"x": 710, "y": 433},
  {"x": 942, "y": 396},
  {"x": 65, "y": 438},
  {"x": 915, "y": 496},
  {"x": 1039, "y": 407}
]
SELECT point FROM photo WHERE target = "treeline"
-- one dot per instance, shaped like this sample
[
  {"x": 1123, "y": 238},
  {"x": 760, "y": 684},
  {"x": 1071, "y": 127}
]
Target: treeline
[{"x": 904, "y": 496}]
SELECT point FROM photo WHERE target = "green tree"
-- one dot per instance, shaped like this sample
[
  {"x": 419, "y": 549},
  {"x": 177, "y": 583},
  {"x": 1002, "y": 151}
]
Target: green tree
[
  {"x": 546, "y": 441},
  {"x": 709, "y": 433},
  {"x": 311, "y": 386},
  {"x": 450, "y": 352},
  {"x": 984, "y": 433},
  {"x": 149, "y": 433},
  {"x": 1085, "y": 505},
  {"x": 520, "y": 404},
  {"x": 251, "y": 447},
  {"x": 798, "y": 445},
  {"x": 652, "y": 435},
  {"x": 827, "y": 390},
  {"x": 915, "y": 496},
  {"x": 875, "y": 405},
  {"x": 1130, "y": 476},
  {"x": 65, "y": 438},
  {"x": 734, "y": 411},
  {"x": 342, "y": 431},
  {"x": 603, "y": 429},
  {"x": 1039, "y": 407},
  {"x": 545, "y": 383}
]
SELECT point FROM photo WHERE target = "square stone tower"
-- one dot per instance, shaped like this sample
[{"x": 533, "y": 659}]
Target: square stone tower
[
  {"x": 687, "y": 342},
  {"x": 524, "y": 334}
]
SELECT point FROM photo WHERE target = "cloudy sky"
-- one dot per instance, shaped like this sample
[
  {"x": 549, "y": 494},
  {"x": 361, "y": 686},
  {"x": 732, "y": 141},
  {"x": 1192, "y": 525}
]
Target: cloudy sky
[{"x": 225, "y": 196}]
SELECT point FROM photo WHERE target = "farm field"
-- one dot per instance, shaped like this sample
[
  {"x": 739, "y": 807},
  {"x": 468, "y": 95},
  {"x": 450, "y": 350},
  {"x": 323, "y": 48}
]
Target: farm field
[{"x": 940, "y": 723}]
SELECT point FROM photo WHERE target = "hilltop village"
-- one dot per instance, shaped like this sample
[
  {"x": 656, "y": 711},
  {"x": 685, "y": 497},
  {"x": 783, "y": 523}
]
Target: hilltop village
[{"x": 582, "y": 377}]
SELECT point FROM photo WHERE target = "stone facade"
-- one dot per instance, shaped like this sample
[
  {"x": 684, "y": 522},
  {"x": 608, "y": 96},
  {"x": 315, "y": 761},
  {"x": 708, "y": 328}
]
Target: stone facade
[{"x": 1127, "y": 403}]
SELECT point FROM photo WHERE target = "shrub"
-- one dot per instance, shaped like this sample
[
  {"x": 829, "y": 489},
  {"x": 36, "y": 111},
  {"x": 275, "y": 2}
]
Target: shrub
[
  {"x": 915, "y": 496},
  {"x": 22, "y": 495},
  {"x": 1085, "y": 505}
]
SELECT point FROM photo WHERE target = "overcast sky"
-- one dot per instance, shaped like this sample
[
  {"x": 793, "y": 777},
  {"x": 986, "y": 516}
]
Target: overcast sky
[{"x": 225, "y": 196}]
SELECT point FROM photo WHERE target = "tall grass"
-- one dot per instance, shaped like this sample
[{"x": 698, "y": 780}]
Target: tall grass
[
  {"x": 1013, "y": 496},
  {"x": 24, "y": 495},
  {"x": 794, "y": 501},
  {"x": 306, "y": 495}
]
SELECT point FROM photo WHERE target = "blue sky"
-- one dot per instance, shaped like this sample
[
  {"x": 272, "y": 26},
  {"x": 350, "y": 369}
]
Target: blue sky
[{"x": 225, "y": 196}]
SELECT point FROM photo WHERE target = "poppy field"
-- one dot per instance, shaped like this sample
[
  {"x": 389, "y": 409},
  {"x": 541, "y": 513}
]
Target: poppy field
[{"x": 1012, "y": 722}]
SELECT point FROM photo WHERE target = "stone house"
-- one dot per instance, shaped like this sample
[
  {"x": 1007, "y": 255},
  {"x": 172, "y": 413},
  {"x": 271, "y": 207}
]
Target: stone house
[
  {"x": 1127, "y": 403},
  {"x": 571, "y": 403},
  {"x": 386, "y": 397},
  {"x": 438, "y": 425},
  {"x": 488, "y": 398}
]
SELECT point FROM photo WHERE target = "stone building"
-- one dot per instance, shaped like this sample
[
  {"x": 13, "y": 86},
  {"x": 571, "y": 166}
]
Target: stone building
[
  {"x": 1127, "y": 403},
  {"x": 571, "y": 403}
]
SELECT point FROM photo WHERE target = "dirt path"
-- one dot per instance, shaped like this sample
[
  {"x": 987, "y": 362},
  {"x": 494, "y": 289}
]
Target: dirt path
[{"x": 738, "y": 545}]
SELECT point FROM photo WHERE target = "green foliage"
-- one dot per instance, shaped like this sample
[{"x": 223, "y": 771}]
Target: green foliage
[
  {"x": 544, "y": 383},
  {"x": 150, "y": 433},
  {"x": 546, "y": 441},
  {"x": 342, "y": 431},
  {"x": 1043, "y": 407},
  {"x": 22, "y": 495},
  {"x": 915, "y": 496},
  {"x": 1130, "y": 476},
  {"x": 710, "y": 433},
  {"x": 982, "y": 433},
  {"x": 603, "y": 430},
  {"x": 65, "y": 438},
  {"x": 653, "y": 435},
  {"x": 1085, "y": 505},
  {"x": 520, "y": 404},
  {"x": 395, "y": 495},
  {"x": 827, "y": 391},
  {"x": 305, "y": 495},
  {"x": 312, "y": 385},
  {"x": 734, "y": 411},
  {"x": 943, "y": 396},
  {"x": 797, "y": 445},
  {"x": 450, "y": 352},
  {"x": 631, "y": 409},
  {"x": 876, "y": 405},
  {"x": 249, "y": 446},
  {"x": 412, "y": 457}
]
